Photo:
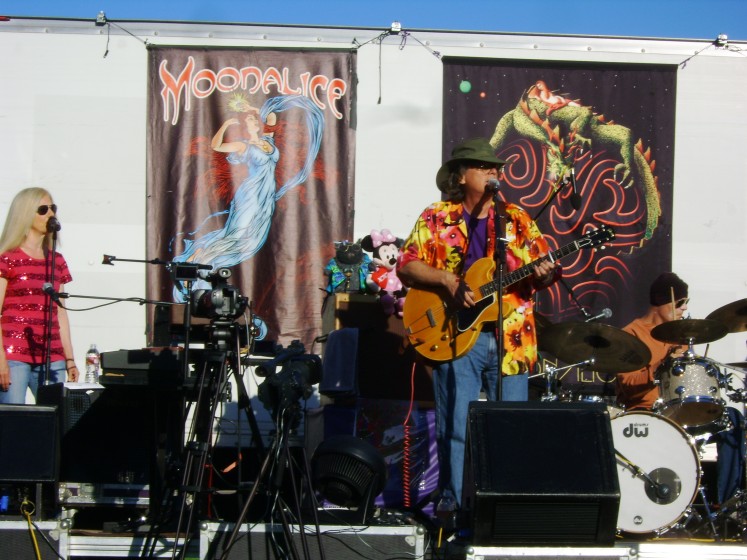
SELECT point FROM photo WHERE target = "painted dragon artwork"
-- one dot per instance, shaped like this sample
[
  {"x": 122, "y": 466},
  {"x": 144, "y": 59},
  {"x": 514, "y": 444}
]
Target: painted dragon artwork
[{"x": 570, "y": 134}]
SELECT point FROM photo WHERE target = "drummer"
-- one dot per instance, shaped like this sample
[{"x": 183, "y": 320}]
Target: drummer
[{"x": 636, "y": 390}]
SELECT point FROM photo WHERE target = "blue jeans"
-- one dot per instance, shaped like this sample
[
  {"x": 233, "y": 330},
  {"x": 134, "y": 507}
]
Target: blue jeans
[
  {"x": 23, "y": 375},
  {"x": 455, "y": 385}
]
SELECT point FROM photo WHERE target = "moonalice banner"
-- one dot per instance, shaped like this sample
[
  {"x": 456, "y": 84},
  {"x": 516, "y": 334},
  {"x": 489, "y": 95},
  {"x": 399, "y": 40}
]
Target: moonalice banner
[
  {"x": 250, "y": 170},
  {"x": 608, "y": 126}
]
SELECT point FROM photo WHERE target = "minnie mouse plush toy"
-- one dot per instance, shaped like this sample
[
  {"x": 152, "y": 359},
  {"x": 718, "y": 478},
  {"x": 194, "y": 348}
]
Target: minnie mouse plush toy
[{"x": 382, "y": 278}]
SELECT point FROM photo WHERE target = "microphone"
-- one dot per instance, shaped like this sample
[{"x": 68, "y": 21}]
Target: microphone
[
  {"x": 48, "y": 289},
  {"x": 605, "y": 314},
  {"x": 493, "y": 186},
  {"x": 575, "y": 197},
  {"x": 53, "y": 224}
]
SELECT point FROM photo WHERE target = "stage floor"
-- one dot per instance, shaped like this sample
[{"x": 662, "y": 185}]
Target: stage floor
[{"x": 257, "y": 541}]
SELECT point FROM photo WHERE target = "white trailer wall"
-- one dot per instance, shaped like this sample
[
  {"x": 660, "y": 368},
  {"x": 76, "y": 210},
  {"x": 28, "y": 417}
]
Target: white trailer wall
[{"x": 74, "y": 121}]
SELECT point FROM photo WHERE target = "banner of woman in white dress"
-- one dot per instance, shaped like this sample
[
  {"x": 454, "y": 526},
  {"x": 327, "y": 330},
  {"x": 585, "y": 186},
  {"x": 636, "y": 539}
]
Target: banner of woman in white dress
[{"x": 250, "y": 169}]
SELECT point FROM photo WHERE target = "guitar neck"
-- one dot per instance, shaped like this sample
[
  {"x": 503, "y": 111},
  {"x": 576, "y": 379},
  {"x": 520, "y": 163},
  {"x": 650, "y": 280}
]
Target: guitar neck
[{"x": 520, "y": 273}]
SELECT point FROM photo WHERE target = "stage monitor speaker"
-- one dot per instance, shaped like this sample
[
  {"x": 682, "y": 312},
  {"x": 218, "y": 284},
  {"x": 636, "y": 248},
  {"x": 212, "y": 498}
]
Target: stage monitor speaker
[
  {"x": 29, "y": 443},
  {"x": 539, "y": 473},
  {"x": 107, "y": 433}
]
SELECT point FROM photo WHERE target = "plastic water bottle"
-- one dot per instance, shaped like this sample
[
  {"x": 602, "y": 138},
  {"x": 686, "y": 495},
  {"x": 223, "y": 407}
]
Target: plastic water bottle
[{"x": 92, "y": 364}]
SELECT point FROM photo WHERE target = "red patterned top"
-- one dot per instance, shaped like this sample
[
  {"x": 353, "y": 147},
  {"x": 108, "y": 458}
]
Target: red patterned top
[{"x": 23, "y": 314}]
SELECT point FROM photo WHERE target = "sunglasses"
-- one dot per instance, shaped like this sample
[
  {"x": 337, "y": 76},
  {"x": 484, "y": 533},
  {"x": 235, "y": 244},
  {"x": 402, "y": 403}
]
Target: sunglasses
[
  {"x": 44, "y": 208},
  {"x": 482, "y": 165},
  {"x": 680, "y": 302}
]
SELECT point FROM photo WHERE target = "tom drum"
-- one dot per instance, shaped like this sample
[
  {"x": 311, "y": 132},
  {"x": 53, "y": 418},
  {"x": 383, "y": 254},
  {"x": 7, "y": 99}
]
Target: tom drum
[{"x": 689, "y": 390}]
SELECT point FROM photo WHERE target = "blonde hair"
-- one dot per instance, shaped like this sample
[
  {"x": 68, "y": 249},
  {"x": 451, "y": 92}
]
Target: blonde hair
[{"x": 20, "y": 218}]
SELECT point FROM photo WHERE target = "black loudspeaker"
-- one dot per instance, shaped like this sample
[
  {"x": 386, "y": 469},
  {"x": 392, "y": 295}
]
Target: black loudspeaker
[
  {"x": 29, "y": 443},
  {"x": 48, "y": 541},
  {"x": 385, "y": 360},
  {"x": 107, "y": 434},
  {"x": 540, "y": 474}
]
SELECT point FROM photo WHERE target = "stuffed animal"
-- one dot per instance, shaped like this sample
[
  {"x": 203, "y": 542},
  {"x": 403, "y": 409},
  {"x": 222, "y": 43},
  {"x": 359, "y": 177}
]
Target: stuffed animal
[
  {"x": 347, "y": 270},
  {"x": 382, "y": 278}
]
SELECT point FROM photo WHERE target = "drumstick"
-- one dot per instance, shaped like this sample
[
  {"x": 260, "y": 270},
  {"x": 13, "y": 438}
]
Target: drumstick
[
  {"x": 674, "y": 312},
  {"x": 706, "y": 351}
]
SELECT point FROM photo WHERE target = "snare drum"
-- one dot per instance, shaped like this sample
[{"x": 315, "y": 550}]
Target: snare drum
[
  {"x": 690, "y": 392},
  {"x": 665, "y": 454},
  {"x": 613, "y": 408}
]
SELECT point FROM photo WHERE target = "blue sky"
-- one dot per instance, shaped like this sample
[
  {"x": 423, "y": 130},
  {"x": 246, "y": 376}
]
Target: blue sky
[{"x": 679, "y": 19}]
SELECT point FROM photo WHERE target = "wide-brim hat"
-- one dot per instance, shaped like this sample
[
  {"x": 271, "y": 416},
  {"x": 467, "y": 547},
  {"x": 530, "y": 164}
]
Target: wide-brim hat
[{"x": 476, "y": 149}]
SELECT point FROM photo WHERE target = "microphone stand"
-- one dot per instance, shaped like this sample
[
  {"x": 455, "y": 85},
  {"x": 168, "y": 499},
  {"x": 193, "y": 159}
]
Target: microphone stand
[
  {"x": 500, "y": 261},
  {"x": 567, "y": 286},
  {"x": 559, "y": 186},
  {"x": 562, "y": 183},
  {"x": 49, "y": 275},
  {"x": 180, "y": 272}
]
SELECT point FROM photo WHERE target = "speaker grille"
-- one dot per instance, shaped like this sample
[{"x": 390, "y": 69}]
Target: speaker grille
[
  {"x": 549, "y": 523},
  {"x": 541, "y": 474},
  {"x": 29, "y": 443}
]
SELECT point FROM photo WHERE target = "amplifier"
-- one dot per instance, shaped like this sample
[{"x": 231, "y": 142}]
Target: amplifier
[
  {"x": 145, "y": 366},
  {"x": 92, "y": 494}
]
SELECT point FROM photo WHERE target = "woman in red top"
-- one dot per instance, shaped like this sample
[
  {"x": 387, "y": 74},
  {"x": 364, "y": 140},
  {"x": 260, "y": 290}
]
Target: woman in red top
[{"x": 25, "y": 265}]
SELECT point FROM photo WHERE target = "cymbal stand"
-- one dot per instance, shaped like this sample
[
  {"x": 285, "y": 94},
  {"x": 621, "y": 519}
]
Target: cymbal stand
[{"x": 551, "y": 378}]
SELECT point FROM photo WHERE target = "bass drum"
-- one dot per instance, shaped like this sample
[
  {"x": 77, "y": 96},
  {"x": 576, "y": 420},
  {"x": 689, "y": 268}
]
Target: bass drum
[{"x": 658, "y": 469}]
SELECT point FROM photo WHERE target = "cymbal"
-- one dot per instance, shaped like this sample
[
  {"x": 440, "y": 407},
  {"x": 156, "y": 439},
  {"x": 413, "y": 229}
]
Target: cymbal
[
  {"x": 733, "y": 315},
  {"x": 612, "y": 349},
  {"x": 689, "y": 331}
]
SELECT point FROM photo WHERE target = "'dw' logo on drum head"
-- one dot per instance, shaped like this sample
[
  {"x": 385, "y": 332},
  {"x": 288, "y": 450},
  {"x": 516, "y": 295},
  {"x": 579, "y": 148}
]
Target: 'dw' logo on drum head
[{"x": 636, "y": 430}]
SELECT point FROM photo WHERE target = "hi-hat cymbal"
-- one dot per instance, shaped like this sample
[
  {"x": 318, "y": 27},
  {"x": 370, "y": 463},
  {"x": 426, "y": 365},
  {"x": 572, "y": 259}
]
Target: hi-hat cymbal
[
  {"x": 612, "y": 349},
  {"x": 689, "y": 331},
  {"x": 733, "y": 315}
]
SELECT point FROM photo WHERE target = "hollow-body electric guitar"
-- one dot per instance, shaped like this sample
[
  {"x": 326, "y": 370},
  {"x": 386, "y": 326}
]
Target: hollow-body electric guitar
[{"x": 439, "y": 331}]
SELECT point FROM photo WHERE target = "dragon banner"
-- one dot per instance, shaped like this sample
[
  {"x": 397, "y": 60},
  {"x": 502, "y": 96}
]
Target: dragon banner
[
  {"x": 609, "y": 128},
  {"x": 250, "y": 171}
]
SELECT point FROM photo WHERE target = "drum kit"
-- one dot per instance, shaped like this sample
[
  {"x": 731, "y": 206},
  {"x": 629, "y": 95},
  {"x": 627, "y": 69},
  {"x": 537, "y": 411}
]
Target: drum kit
[{"x": 658, "y": 453}]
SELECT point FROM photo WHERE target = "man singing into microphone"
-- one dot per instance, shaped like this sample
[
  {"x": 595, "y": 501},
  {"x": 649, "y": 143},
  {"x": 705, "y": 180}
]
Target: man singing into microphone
[
  {"x": 25, "y": 262},
  {"x": 448, "y": 237}
]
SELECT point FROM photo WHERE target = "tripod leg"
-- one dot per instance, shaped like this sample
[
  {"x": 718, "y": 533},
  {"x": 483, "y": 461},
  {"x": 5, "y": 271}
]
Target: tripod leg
[
  {"x": 213, "y": 376},
  {"x": 235, "y": 533}
]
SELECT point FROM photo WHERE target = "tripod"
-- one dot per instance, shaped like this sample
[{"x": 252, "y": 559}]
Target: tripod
[
  {"x": 282, "y": 394},
  {"x": 217, "y": 362}
]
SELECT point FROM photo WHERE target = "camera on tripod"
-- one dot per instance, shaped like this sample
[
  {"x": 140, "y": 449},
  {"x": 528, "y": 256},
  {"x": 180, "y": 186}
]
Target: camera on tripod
[
  {"x": 281, "y": 390},
  {"x": 222, "y": 302}
]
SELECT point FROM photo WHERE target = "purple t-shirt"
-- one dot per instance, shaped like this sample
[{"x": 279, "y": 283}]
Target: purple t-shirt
[{"x": 478, "y": 239}]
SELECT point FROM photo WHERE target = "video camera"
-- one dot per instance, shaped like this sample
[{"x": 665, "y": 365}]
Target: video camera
[
  {"x": 222, "y": 302},
  {"x": 282, "y": 389}
]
